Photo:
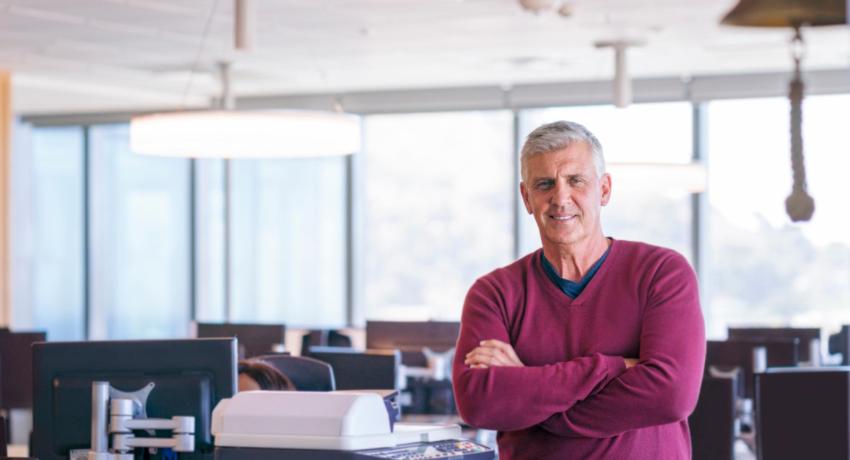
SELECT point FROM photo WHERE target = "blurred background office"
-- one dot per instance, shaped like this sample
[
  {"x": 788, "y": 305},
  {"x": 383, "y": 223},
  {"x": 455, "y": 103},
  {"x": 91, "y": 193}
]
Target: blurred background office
[
  {"x": 104, "y": 243},
  {"x": 694, "y": 117}
]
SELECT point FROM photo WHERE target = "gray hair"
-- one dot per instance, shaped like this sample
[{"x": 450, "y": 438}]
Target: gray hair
[{"x": 559, "y": 135}]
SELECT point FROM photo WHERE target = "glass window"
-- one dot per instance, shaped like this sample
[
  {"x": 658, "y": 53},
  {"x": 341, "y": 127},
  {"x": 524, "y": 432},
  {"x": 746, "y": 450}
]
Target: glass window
[
  {"x": 764, "y": 269},
  {"x": 288, "y": 241},
  {"x": 47, "y": 231},
  {"x": 643, "y": 210},
  {"x": 437, "y": 212},
  {"x": 139, "y": 240},
  {"x": 209, "y": 258}
]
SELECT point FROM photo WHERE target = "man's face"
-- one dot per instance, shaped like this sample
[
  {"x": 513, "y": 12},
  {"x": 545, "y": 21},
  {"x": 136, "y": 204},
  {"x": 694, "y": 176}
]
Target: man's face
[{"x": 565, "y": 194}]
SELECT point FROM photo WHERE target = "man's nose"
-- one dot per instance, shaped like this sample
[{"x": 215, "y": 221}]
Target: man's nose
[{"x": 561, "y": 194}]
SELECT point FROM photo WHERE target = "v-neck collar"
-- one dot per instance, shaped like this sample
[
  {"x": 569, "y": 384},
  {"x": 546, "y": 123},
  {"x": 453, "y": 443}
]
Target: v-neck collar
[
  {"x": 570, "y": 287},
  {"x": 591, "y": 286}
]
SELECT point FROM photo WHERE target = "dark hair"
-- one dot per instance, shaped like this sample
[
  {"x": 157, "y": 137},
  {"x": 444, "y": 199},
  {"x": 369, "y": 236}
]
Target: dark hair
[{"x": 266, "y": 375}]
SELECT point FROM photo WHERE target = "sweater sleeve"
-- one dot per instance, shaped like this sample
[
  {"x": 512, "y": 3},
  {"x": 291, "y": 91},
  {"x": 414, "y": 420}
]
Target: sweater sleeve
[
  {"x": 663, "y": 387},
  {"x": 514, "y": 398}
]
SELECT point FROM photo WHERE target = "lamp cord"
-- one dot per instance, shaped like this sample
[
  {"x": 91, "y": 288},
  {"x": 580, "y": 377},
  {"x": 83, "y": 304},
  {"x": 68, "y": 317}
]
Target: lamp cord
[
  {"x": 799, "y": 205},
  {"x": 198, "y": 55},
  {"x": 796, "y": 97}
]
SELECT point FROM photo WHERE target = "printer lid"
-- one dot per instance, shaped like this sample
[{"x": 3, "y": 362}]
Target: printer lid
[{"x": 314, "y": 420}]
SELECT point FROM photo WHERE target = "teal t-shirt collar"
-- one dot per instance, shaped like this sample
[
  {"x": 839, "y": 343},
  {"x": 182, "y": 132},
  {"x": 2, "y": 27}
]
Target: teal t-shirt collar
[{"x": 572, "y": 288}]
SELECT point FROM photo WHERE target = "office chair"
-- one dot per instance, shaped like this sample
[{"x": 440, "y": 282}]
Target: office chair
[
  {"x": 712, "y": 423},
  {"x": 307, "y": 374}
]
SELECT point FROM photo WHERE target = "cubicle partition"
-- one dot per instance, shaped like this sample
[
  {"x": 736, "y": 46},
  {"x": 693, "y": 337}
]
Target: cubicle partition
[
  {"x": 253, "y": 339},
  {"x": 739, "y": 353},
  {"x": 411, "y": 337},
  {"x": 16, "y": 367},
  {"x": 805, "y": 335}
]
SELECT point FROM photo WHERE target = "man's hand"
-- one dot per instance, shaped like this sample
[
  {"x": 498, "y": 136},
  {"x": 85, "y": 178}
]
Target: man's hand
[
  {"x": 492, "y": 353},
  {"x": 630, "y": 362}
]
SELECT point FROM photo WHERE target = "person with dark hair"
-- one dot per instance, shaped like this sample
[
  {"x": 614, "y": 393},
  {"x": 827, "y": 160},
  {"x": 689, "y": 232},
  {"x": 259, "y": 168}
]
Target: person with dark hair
[{"x": 255, "y": 374}]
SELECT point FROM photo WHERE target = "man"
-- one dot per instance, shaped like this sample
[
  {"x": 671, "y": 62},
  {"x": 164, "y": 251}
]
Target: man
[{"x": 591, "y": 347}]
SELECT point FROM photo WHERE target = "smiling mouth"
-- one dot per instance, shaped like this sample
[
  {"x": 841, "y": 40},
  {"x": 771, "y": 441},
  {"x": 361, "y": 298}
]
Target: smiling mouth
[{"x": 562, "y": 218}]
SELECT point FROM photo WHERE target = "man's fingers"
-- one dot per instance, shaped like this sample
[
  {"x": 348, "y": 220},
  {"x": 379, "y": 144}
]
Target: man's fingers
[
  {"x": 493, "y": 353},
  {"x": 486, "y": 355},
  {"x": 493, "y": 343},
  {"x": 506, "y": 349}
]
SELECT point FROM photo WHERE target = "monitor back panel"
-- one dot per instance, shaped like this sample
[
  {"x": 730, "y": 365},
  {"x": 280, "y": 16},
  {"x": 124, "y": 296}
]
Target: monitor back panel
[
  {"x": 803, "y": 413},
  {"x": 712, "y": 424},
  {"x": 357, "y": 370},
  {"x": 190, "y": 378}
]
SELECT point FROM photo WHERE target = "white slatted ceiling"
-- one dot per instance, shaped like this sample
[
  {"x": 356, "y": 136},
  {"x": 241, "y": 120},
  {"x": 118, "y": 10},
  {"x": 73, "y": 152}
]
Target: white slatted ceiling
[{"x": 348, "y": 45}]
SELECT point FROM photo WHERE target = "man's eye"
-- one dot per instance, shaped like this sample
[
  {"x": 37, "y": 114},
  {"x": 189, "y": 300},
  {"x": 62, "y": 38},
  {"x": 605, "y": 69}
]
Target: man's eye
[{"x": 544, "y": 185}]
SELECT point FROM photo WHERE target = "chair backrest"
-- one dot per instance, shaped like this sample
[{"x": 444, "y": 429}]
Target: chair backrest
[
  {"x": 712, "y": 423},
  {"x": 307, "y": 374}
]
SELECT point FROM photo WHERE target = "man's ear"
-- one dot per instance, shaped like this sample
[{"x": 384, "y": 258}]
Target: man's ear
[
  {"x": 605, "y": 184},
  {"x": 524, "y": 192}
]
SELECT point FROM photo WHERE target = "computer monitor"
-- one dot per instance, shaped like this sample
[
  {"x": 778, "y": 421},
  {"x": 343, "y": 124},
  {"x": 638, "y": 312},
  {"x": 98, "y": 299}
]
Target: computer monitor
[
  {"x": 254, "y": 339},
  {"x": 190, "y": 378},
  {"x": 805, "y": 334},
  {"x": 16, "y": 367},
  {"x": 803, "y": 413},
  {"x": 840, "y": 343},
  {"x": 411, "y": 337},
  {"x": 739, "y": 353},
  {"x": 359, "y": 370}
]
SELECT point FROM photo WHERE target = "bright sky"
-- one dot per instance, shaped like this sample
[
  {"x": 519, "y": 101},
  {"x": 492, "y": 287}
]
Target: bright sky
[{"x": 750, "y": 166}]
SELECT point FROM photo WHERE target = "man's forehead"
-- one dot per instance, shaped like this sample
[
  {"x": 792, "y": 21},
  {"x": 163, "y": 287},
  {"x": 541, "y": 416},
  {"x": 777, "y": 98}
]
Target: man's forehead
[{"x": 564, "y": 161}]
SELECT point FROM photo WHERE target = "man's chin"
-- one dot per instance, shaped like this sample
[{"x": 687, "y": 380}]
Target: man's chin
[{"x": 562, "y": 239}]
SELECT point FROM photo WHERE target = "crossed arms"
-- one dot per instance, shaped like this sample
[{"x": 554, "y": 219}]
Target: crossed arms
[{"x": 593, "y": 396}]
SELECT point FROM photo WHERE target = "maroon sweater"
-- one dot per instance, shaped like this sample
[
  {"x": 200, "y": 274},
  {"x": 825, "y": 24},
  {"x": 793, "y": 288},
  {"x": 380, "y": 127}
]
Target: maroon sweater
[{"x": 575, "y": 399}]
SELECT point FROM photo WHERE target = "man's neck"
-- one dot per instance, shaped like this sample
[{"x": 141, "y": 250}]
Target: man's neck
[{"x": 572, "y": 261}]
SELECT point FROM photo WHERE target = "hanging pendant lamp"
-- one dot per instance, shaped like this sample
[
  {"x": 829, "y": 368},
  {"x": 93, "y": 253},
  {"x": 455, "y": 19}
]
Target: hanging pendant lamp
[
  {"x": 794, "y": 14},
  {"x": 243, "y": 134},
  {"x": 225, "y": 132}
]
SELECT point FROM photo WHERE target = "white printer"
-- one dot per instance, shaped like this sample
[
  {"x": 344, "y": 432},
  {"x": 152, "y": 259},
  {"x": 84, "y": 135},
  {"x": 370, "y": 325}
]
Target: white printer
[{"x": 295, "y": 425}]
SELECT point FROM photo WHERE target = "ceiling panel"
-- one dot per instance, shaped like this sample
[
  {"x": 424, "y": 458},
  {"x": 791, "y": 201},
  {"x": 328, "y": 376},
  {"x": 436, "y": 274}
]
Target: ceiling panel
[{"x": 149, "y": 47}]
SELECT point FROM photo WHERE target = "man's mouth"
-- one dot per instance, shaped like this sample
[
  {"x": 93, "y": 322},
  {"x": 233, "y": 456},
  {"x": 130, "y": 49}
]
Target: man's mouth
[{"x": 562, "y": 218}]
